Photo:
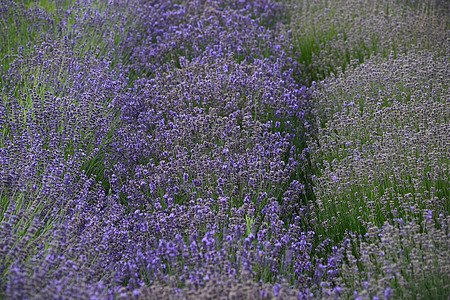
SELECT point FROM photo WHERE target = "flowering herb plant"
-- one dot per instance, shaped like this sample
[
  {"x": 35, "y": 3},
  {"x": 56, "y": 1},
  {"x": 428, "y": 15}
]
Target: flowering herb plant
[{"x": 239, "y": 149}]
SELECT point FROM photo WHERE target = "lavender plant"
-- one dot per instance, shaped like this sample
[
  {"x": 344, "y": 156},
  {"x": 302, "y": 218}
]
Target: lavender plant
[
  {"x": 382, "y": 154},
  {"x": 331, "y": 36},
  {"x": 224, "y": 149}
]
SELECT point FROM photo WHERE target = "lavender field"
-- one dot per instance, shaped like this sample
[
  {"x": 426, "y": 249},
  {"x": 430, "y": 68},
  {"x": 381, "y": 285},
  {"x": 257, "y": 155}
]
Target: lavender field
[{"x": 228, "y": 149}]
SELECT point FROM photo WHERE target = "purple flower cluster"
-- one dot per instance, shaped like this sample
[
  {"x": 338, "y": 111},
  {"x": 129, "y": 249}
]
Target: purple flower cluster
[
  {"x": 166, "y": 149},
  {"x": 168, "y": 31}
]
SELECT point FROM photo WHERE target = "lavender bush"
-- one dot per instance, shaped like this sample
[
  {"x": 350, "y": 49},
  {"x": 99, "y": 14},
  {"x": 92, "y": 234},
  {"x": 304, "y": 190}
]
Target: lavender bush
[
  {"x": 384, "y": 147},
  {"x": 330, "y": 36},
  {"x": 224, "y": 149}
]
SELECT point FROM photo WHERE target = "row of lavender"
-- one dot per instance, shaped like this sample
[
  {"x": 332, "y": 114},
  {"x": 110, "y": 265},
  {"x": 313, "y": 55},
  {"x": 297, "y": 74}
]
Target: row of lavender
[{"x": 169, "y": 149}]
